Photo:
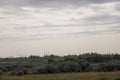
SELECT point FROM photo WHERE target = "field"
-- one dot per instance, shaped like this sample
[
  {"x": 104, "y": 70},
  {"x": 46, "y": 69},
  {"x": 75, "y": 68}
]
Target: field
[
  {"x": 68, "y": 76},
  {"x": 89, "y": 66}
]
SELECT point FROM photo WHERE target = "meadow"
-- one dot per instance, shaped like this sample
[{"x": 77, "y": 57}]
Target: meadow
[{"x": 68, "y": 76}]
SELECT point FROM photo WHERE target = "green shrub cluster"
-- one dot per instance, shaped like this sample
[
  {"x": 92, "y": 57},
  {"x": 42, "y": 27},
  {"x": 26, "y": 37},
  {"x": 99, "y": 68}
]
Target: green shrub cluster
[
  {"x": 104, "y": 78},
  {"x": 18, "y": 71},
  {"x": 88, "y": 62},
  {"x": 1, "y": 72},
  {"x": 117, "y": 78}
]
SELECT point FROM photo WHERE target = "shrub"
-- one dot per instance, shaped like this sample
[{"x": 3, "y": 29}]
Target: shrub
[
  {"x": 19, "y": 73},
  {"x": 39, "y": 70},
  {"x": 1, "y": 72},
  {"x": 103, "y": 78},
  {"x": 11, "y": 73},
  {"x": 117, "y": 78},
  {"x": 2, "y": 68},
  {"x": 25, "y": 71}
]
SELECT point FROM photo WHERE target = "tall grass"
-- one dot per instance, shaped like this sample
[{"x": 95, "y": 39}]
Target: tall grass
[{"x": 68, "y": 76}]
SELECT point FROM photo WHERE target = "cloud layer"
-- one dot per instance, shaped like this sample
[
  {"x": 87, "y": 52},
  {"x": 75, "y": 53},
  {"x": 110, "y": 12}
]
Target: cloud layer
[{"x": 42, "y": 19}]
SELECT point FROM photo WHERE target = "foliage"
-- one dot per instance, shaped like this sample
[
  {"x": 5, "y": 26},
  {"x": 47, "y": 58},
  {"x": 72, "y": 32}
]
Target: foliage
[
  {"x": 87, "y": 62},
  {"x": 103, "y": 78},
  {"x": 18, "y": 71},
  {"x": 117, "y": 78},
  {"x": 1, "y": 72}
]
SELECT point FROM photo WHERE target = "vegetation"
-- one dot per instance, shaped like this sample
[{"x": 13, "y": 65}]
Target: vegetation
[
  {"x": 1, "y": 72},
  {"x": 103, "y": 78},
  {"x": 118, "y": 78},
  {"x": 68, "y": 76},
  {"x": 88, "y": 62}
]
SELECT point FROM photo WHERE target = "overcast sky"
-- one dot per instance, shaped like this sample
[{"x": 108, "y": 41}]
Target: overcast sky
[{"x": 59, "y": 27}]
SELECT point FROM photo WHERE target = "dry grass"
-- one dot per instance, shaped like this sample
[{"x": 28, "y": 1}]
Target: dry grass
[{"x": 68, "y": 76}]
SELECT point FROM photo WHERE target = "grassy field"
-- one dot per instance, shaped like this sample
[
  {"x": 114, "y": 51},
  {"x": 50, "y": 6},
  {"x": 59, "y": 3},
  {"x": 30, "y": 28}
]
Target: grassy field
[{"x": 68, "y": 76}]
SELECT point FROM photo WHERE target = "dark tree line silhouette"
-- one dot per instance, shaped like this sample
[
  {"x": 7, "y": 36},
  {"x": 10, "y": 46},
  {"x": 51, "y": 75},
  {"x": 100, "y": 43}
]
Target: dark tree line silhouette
[{"x": 87, "y": 62}]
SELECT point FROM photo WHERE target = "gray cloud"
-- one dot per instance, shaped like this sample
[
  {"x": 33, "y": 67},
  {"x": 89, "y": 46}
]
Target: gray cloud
[
  {"x": 51, "y": 3},
  {"x": 38, "y": 19}
]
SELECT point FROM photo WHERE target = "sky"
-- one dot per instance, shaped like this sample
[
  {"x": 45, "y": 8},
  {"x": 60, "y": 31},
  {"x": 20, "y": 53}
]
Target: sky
[{"x": 60, "y": 27}]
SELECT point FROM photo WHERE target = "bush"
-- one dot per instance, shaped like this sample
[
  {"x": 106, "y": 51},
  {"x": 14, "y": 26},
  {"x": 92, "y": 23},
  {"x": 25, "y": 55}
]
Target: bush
[
  {"x": 11, "y": 73},
  {"x": 1, "y": 72},
  {"x": 2, "y": 68},
  {"x": 25, "y": 71},
  {"x": 39, "y": 70},
  {"x": 9, "y": 67},
  {"x": 19, "y": 73},
  {"x": 117, "y": 78},
  {"x": 103, "y": 78}
]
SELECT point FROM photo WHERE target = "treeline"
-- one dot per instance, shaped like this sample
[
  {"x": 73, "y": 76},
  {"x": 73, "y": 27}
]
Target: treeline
[{"x": 87, "y": 62}]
